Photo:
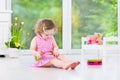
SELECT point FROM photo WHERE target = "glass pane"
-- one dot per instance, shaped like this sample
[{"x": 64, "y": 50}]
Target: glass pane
[
  {"x": 30, "y": 11},
  {"x": 90, "y": 16}
]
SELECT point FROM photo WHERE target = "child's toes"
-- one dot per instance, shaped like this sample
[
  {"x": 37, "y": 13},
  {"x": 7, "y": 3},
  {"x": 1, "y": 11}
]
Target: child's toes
[
  {"x": 78, "y": 62},
  {"x": 68, "y": 66},
  {"x": 75, "y": 65}
]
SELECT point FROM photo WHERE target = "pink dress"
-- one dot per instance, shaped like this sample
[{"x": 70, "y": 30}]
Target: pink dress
[{"x": 46, "y": 46}]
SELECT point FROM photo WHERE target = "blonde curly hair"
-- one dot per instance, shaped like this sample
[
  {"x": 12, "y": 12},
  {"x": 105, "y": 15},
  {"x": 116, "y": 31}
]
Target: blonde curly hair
[{"x": 44, "y": 24}]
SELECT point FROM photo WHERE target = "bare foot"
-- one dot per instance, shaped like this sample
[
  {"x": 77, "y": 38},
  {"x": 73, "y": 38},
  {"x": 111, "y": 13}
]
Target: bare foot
[
  {"x": 75, "y": 65},
  {"x": 69, "y": 65}
]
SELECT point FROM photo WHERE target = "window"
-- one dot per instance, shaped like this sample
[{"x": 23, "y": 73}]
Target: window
[
  {"x": 30, "y": 11},
  {"x": 90, "y": 16},
  {"x": 74, "y": 18}
]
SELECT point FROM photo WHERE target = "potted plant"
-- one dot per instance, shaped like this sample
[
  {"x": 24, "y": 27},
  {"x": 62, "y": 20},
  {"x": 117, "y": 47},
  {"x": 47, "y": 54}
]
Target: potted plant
[{"x": 13, "y": 44}]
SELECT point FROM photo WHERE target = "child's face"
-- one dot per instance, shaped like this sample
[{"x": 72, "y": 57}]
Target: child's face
[{"x": 48, "y": 33}]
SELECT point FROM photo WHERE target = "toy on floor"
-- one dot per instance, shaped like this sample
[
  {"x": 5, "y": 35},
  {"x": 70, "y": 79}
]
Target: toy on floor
[{"x": 94, "y": 61}]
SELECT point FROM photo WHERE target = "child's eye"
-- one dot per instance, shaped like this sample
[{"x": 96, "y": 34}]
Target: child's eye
[{"x": 47, "y": 35}]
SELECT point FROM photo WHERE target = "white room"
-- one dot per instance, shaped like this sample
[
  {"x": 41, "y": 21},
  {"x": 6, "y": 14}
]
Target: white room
[{"x": 82, "y": 39}]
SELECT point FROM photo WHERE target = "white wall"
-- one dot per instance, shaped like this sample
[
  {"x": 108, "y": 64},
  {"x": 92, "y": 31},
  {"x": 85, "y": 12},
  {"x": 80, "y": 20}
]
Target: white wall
[{"x": 5, "y": 21}]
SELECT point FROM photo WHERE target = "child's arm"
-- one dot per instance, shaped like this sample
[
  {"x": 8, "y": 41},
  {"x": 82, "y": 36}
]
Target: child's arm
[
  {"x": 33, "y": 48},
  {"x": 55, "y": 50}
]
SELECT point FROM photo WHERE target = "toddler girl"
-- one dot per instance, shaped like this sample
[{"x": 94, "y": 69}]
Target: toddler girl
[{"x": 44, "y": 48}]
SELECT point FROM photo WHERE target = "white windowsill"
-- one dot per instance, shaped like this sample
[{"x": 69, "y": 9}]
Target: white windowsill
[{"x": 6, "y": 11}]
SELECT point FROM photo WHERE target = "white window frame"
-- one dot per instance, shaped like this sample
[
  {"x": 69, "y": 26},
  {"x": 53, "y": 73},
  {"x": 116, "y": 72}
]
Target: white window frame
[
  {"x": 5, "y": 21},
  {"x": 118, "y": 19},
  {"x": 67, "y": 29}
]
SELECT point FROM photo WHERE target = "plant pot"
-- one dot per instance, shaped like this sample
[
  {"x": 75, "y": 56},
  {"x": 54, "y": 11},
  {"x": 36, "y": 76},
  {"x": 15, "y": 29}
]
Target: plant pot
[{"x": 13, "y": 52}]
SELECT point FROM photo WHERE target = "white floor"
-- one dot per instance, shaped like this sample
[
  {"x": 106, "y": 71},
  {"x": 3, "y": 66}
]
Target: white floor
[{"x": 19, "y": 69}]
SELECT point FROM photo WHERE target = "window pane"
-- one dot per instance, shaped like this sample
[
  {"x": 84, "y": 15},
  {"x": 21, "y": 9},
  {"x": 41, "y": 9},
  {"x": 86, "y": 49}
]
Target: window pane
[
  {"x": 29, "y": 11},
  {"x": 90, "y": 16}
]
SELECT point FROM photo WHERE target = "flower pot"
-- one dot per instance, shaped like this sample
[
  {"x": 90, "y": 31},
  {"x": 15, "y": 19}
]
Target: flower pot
[{"x": 13, "y": 52}]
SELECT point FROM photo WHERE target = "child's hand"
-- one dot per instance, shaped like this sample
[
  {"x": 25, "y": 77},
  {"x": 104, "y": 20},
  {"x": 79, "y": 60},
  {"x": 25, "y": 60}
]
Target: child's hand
[
  {"x": 56, "y": 54},
  {"x": 39, "y": 54}
]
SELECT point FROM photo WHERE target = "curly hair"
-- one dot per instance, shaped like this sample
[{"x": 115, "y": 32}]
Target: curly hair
[{"x": 45, "y": 24}]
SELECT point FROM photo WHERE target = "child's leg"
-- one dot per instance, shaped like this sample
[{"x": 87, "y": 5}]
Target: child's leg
[
  {"x": 47, "y": 64},
  {"x": 61, "y": 64},
  {"x": 63, "y": 58}
]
